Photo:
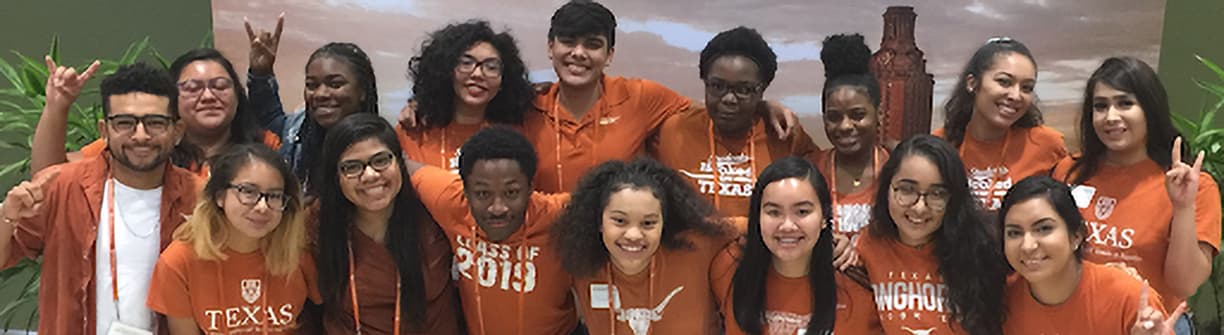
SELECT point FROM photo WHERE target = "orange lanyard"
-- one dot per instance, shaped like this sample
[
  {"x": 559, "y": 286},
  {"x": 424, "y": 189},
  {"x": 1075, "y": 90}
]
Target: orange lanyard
[
  {"x": 875, "y": 160},
  {"x": 714, "y": 161},
  {"x": 649, "y": 293},
  {"x": 990, "y": 189},
  {"x": 522, "y": 288},
  {"x": 556, "y": 115},
  {"x": 353, "y": 293},
  {"x": 114, "y": 259}
]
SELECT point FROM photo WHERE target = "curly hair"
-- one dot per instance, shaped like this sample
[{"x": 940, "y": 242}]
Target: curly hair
[
  {"x": 433, "y": 75},
  {"x": 846, "y": 58},
  {"x": 959, "y": 108},
  {"x": 312, "y": 133},
  {"x": 969, "y": 254},
  {"x": 741, "y": 41},
  {"x": 497, "y": 142},
  {"x": 140, "y": 78},
  {"x": 577, "y": 233}
]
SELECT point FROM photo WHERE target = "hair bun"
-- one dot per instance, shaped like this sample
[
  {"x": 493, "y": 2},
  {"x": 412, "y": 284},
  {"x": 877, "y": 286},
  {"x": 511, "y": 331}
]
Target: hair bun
[{"x": 844, "y": 54}]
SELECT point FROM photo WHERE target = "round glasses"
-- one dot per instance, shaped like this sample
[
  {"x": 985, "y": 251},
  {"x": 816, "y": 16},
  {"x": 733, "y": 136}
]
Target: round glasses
[{"x": 907, "y": 195}]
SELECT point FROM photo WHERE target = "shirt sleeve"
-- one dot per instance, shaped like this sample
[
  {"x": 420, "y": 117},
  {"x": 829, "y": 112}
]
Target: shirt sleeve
[
  {"x": 801, "y": 143},
  {"x": 29, "y": 235},
  {"x": 264, "y": 99},
  {"x": 168, "y": 292},
  {"x": 1207, "y": 211},
  {"x": 310, "y": 272},
  {"x": 661, "y": 102},
  {"x": 441, "y": 192}
]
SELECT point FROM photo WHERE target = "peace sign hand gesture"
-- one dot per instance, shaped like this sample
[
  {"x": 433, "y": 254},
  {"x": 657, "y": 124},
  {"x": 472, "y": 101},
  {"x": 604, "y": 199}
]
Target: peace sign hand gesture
[
  {"x": 1151, "y": 321},
  {"x": 263, "y": 46},
  {"x": 1182, "y": 180},
  {"x": 64, "y": 83}
]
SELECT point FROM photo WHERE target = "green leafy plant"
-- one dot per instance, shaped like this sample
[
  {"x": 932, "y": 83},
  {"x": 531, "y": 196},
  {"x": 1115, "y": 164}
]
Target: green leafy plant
[{"x": 1198, "y": 132}]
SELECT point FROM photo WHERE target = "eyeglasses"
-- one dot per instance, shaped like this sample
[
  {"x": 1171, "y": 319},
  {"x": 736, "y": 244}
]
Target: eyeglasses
[
  {"x": 936, "y": 197},
  {"x": 154, "y": 124},
  {"x": 490, "y": 66},
  {"x": 194, "y": 87},
  {"x": 720, "y": 88},
  {"x": 354, "y": 168},
  {"x": 249, "y": 195}
]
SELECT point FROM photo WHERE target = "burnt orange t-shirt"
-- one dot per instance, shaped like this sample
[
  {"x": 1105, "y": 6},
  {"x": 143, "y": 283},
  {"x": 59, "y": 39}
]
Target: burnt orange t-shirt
[
  {"x": 436, "y": 146},
  {"x": 96, "y": 147},
  {"x": 1106, "y": 301},
  {"x": 721, "y": 169},
  {"x": 672, "y": 296},
  {"x": 1129, "y": 215},
  {"x": 851, "y": 211},
  {"x": 234, "y": 296},
  {"x": 910, "y": 295},
  {"x": 993, "y": 167},
  {"x": 514, "y": 286},
  {"x": 788, "y": 301},
  {"x": 618, "y": 125}
]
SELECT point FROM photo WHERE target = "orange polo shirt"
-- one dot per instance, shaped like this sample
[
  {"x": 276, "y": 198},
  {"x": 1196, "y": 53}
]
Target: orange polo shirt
[
  {"x": 993, "y": 167},
  {"x": 96, "y": 147},
  {"x": 1106, "y": 301},
  {"x": 233, "y": 296},
  {"x": 721, "y": 169},
  {"x": 1129, "y": 215},
  {"x": 436, "y": 146},
  {"x": 515, "y": 286},
  {"x": 628, "y": 112},
  {"x": 910, "y": 295},
  {"x": 788, "y": 301},
  {"x": 672, "y": 296},
  {"x": 851, "y": 211},
  {"x": 67, "y": 225}
]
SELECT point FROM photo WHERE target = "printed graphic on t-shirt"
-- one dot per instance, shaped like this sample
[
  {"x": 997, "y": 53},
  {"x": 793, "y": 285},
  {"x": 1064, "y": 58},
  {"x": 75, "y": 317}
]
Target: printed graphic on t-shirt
[
  {"x": 639, "y": 319},
  {"x": 1108, "y": 240},
  {"x": 735, "y": 176},
  {"x": 911, "y": 296},
  {"x": 252, "y": 317},
  {"x": 852, "y": 217},
  {"x": 452, "y": 162},
  {"x": 786, "y": 323},
  {"x": 980, "y": 181},
  {"x": 495, "y": 265}
]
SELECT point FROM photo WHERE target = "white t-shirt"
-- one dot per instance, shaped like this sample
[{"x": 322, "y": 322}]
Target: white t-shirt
[{"x": 138, "y": 243}]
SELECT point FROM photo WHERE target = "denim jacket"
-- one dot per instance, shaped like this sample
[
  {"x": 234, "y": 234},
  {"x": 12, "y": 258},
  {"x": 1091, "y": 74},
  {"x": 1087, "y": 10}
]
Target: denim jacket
[{"x": 264, "y": 98}]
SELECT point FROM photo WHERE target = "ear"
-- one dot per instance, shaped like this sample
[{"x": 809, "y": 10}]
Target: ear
[
  {"x": 549, "y": 50},
  {"x": 970, "y": 83},
  {"x": 611, "y": 52},
  {"x": 103, "y": 130},
  {"x": 221, "y": 201}
]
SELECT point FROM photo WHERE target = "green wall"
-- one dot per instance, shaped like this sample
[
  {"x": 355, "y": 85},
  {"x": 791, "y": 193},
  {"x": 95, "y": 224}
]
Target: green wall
[{"x": 1190, "y": 27}]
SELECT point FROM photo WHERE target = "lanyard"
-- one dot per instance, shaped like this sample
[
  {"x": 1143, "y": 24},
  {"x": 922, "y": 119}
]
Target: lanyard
[
  {"x": 353, "y": 293},
  {"x": 714, "y": 161},
  {"x": 649, "y": 293},
  {"x": 990, "y": 190},
  {"x": 114, "y": 259},
  {"x": 556, "y": 116},
  {"x": 875, "y": 160}
]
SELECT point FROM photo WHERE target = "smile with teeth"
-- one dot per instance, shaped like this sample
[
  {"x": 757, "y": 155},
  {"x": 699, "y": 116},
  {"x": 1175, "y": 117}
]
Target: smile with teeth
[
  {"x": 789, "y": 240},
  {"x": 914, "y": 220},
  {"x": 632, "y": 247},
  {"x": 1033, "y": 262}
]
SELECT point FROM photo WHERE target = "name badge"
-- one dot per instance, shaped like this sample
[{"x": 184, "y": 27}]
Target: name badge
[
  {"x": 118, "y": 328},
  {"x": 801, "y": 331},
  {"x": 1083, "y": 195},
  {"x": 599, "y": 296}
]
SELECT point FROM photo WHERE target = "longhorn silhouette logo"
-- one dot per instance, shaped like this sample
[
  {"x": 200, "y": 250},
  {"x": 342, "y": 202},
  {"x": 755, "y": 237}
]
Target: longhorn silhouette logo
[
  {"x": 928, "y": 331},
  {"x": 639, "y": 319}
]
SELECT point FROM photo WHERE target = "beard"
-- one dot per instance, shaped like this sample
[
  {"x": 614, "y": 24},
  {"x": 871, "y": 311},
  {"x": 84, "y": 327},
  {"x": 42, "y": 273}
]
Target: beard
[{"x": 156, "y": 162}]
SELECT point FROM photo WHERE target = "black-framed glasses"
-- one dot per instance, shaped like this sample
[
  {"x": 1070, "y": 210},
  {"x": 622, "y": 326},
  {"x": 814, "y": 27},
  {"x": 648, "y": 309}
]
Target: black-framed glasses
[
  {"x": 195, "y": 87},
  {"x": 249, "y": 195},
  {"x": 354, "y": 168},
  {"x": 154, "y": 124},
  {"x": 720, "y": 88},
  {"x": 490, "y": 66},
  {"x": 936, "y": 197}
]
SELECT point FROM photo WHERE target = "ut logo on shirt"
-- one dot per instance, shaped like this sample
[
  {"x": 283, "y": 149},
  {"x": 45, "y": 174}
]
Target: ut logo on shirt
[
  {"x": 639, "y": 319},
  {"x": 493, "y": 264},
  {"x": 735, "y": 175},
  {"x": 251, "y": 290}
]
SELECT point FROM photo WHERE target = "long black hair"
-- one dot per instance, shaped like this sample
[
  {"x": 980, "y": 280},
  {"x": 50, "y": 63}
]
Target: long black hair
[
  {"x": 432, "y": 74},
  {"x": 1133, "y": 76},
  {"x": 959, "y": 108},
  {"x": 311, "y": 133},
  {"x": 576, "y": 233},
  {"x": 243, "y": 128},
  {"x": 964, "y": 246},
  {"x": 336, "y": 214},
  {"x": 748, "y": 285}
]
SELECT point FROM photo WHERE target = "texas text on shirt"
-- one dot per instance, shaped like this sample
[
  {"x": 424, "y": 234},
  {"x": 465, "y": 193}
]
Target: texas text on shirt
[
  {"x": 685, "y": 143},
  {"x": 1128, "y": 214},
  {"x": 617, "y": 126},
  {"x": 67, "y": 225},
  {"x": 233, "y": 296},
  {"x": 993, "y": 167},
  {"x": 1106, "y": 301},
  {"x": 910, "y": 296},
  {"x": 515, "y": 286},
  {"x": 788, "y": 301},
  {"x": 672, "y": 296},
  {"x": 436, "y": 146},
  {"x": 852, "y": 211}
]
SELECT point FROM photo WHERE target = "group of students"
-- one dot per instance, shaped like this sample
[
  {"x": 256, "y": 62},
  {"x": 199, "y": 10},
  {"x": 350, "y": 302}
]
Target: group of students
[{"x": 604, "y": 205}]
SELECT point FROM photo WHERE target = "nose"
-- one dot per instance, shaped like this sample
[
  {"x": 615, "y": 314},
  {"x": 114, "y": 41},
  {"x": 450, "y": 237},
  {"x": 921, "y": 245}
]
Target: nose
[
  {"x": 845, "y": 124},
  {"x": 633, "y": 233},
  {"x": 1013, "y": 92},
  {"x": 1028, "y": 242},
  {"x": 728, "y": 98},
  {"x": 262, "y": 205},
  {"x": 920, "y": 205},
  {"x": 479, "y": 68},
  {"x": 578, "y": 52},
  {"x": 788, "y": 224},
  {"x": 1113, "y": 114},
  {"x": 140, "y": 133},
  {"x": 208, "y": 94},
  {"x": 368, "y": 171},
  {"x": 498, "y": 206}
]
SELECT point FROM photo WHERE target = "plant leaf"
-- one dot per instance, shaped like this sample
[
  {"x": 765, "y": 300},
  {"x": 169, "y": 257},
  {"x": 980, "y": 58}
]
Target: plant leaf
[
  {"x": 1211, "y": 65},
  {"x": 13, "y": 76},
  {"x": 1184, "y": 125},
  {"x": 134, "y": 51},
  {"x": 207, "y": 41}
]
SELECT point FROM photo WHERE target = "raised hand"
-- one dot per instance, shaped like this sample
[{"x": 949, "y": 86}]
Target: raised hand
[
  {"x": 1182, "y": 180},
  {"x": 1150, "y": 320},
  {"x": 64, "y": 83},
  {"x": 263, "y": 46},
  {"x": 24, "y": 200},
  {"x": 407, "y": 115}
]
